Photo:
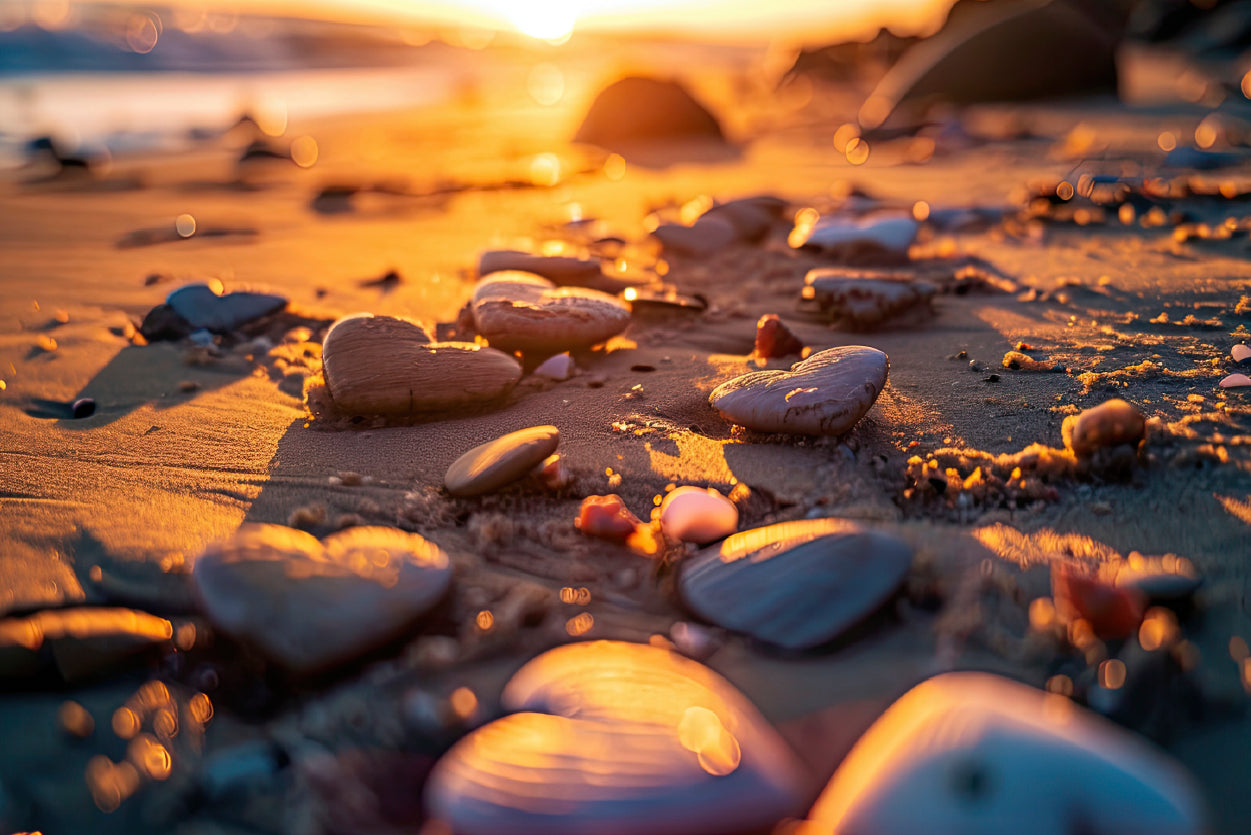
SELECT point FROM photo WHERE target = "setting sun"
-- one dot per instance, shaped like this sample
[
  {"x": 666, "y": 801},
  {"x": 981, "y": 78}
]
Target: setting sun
[{"x": 549, "y": 20}]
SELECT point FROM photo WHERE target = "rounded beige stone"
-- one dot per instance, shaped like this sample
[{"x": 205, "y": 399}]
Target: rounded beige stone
[{"x": 508, "y": 458}]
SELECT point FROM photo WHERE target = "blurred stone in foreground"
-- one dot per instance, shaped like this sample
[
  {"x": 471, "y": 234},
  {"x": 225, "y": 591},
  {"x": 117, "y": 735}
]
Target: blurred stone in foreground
[{"x": 976, "y": 754}]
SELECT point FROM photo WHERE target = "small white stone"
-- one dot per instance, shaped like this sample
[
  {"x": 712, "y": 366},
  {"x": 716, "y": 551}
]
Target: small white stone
[
  {"x": 695, "y": 514},
  {"x": 558, "y": 367}
]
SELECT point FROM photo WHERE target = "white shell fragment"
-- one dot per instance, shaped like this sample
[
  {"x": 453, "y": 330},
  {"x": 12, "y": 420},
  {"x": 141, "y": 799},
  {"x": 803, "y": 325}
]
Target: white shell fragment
[
  {"x": 796, "y": 584},
  {"x": 309, "y": 605},
  {"x": 519, "y": 311},
  {"x": 695, "y": 514},
  {"x": 977, "y": 754},
  {"x": 617, "y": 739},
  {"x": 823, "y": 395}
]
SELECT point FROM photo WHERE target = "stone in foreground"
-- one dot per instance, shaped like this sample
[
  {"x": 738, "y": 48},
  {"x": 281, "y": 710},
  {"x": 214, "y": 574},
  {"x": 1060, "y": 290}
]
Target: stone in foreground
[
  {"x": 798, "y": 584},
  {"x": 977, "y": 754},
  {"x": 497, "y": 463},
  {"x": 80, "y": 643},
  {"x": 615, "y": 738},
  {"x": 825, "y": 394},
  {"x": 309, "y": 605}
]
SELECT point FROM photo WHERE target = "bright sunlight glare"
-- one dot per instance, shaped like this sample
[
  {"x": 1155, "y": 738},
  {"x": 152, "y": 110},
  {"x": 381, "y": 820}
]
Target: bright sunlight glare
[{"x": 549, "y": 20}]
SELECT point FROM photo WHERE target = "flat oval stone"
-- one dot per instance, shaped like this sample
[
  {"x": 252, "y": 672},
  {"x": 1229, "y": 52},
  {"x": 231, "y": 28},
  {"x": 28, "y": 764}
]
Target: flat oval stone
[
  {"x": 865, "y": 298},
  {"x": 518, "y": 311},
  {"x": 977, "y": 754},
  {"x": 708, "y": 235},
  {"x": 889, "y": 236},
  {"x": 618, "y": 739},
  {"x": 381, "y": 365},
  {"x": 823, "y": 395},
  {"x": 81, "y": 642},
  {"x": 795, "y": 585},
  {"x": 559, "y": 269},
  {"x": 492, "y": 465},
  {"x": 201, "y": 307},
  {"x": 695, "y": 514},
  {"x": 308, "y": 605}
]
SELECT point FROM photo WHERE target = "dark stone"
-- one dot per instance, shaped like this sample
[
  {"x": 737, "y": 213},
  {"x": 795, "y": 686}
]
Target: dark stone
[
  {"x": 637, "y": 109},
  {"x": 162, "y": 323}
]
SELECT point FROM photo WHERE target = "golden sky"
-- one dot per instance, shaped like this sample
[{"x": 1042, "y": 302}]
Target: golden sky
[{"x": 733, "y": 19}]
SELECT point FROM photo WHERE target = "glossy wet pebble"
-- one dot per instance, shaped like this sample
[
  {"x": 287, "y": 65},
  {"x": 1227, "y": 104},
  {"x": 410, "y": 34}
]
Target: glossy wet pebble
[
  {"x": 310, "y": 605},
  {"x": 519, "y": 311},
  {"x": 381, "y": 365},
  {"x": 797, "y": 584},
  {"x": 1109, "y": 424},
  {"x": 823, "y": 395},
  {"x": 977, "y": 754},
  {"x": 888, "y": 237},
  {"x": 864, "y": 299},
  {"x": 696, "y": 514},
  {"x": 80, "y": 643},
  {"x": 497, "y": 463},
  {"x": 615, "y": 738},
  {"x": 200, "y": 307}
]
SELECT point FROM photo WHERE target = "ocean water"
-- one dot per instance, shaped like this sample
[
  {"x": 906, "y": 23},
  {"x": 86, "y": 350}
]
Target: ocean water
[{"x": 124, "y": 113}]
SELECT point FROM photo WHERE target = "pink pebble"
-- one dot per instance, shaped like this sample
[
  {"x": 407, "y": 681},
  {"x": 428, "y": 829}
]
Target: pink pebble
[
  {"x": 1235, "y": 381},
  {"x": 1241, "y": 351},
  {"x": 695, "y": 514}
]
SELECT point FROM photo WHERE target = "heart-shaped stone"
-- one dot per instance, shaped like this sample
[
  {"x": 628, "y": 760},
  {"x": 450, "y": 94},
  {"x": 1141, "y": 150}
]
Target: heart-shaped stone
[
  {"x": 382, "y": 365},
  {"x": 977, "y": 754},
  {"x": 823, "y": 395},
  {"x": 518, "y": 311},
  {"x": 309, "y": 605},
  {"x": 795, "y": 584},
  {"x": 201, "y": 307},
  {"x": 617, "y": 739}
]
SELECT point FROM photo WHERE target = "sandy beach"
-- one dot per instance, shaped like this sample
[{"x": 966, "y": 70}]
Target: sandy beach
[{"x": 185, "y": 444}]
